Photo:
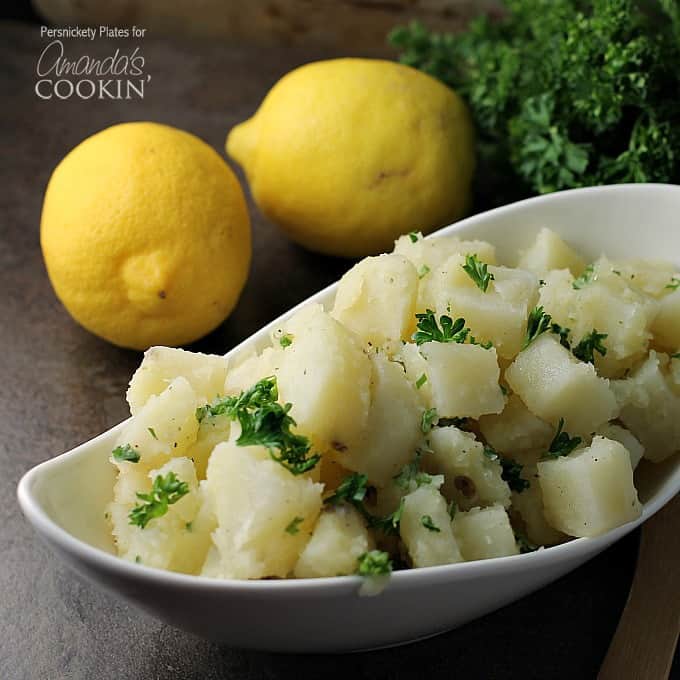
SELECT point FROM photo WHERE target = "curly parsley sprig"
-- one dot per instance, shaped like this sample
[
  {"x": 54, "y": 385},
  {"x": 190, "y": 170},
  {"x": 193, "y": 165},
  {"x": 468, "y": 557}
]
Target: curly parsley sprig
[
  {"x": 265, "y": 422},
  {"x": 166, "y": 490},
  {"x": 478, "y": 271},
  {"x": 562, "y": 444}
]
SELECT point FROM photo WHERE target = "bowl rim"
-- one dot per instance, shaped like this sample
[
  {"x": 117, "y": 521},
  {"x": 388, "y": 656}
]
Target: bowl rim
[{"x": 103, "y": 560}]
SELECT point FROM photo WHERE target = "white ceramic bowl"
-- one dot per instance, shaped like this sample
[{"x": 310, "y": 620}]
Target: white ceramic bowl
[{"x": 65, "y": 498}]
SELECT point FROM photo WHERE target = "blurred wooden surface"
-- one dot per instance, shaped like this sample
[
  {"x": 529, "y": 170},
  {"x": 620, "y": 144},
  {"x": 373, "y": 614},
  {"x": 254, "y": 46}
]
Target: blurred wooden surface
[
  {"x": 647, "y": 635},
  {"x": 347, "y": 24}
]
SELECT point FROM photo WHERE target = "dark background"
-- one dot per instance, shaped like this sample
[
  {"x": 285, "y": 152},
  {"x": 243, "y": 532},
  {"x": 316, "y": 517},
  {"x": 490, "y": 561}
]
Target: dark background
[{"x": 60, "y": 386}]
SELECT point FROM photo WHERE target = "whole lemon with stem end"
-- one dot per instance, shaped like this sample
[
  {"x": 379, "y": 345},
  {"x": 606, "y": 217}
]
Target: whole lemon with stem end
[
  {"x": 146, "y": 235},
  {"x": 345, "y": 155}
]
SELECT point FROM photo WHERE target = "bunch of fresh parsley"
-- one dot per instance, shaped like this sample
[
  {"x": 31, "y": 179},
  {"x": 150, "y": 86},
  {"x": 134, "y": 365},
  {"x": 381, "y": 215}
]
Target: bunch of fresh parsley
[{"x": 565, "y": 93}]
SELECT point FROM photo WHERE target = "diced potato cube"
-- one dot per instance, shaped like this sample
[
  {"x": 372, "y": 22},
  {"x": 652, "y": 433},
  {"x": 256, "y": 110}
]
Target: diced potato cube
[
  {"x": 607, "y": 305},
  {"x": 499, "y": 314},
  {"x": 463, "y": 379},
  {"x": 650, "y": 408},
  {"x": 204, "y": 372},
  {"x": 376, "y": 299},
  {"x": 554, "y": 384},
  {"x": 340, "y": 537},
  {"x": 417, "y": 370},
  {"x": 250, "y": 370},
  {"x": 178, "y": 540},
  {"x": 591, "y": 490},
  {"x": 165, "y": 426},
  {"x": 548, "y": 252},
  {"x": 470, "y": 477},
  {"x": 394, "y": 433},
  {"x": 483, "y": 533},
  {"x": 255, "y": 500},
  {"x": 436, "y": 250},
  {"x": 624, "y": 437},
  {"x": 651, "y": 277},
  {"x": 528, "y": 504},
  {"x": 425, "y": 529},
  {"x": 666, "y": 325},
  {"x": 212, "y": 431},
  {"x": 516, "y": 430},
  {"x": 325, "y": 375}
]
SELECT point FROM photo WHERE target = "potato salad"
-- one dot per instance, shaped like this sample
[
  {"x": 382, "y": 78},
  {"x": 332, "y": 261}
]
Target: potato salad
[{"x": 444, "y": 408}]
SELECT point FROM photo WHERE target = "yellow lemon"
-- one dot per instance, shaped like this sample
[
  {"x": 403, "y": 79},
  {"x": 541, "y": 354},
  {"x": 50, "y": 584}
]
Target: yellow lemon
[
  {"x": 146, "y": 236},
  {"x": 347, "y": 154}
]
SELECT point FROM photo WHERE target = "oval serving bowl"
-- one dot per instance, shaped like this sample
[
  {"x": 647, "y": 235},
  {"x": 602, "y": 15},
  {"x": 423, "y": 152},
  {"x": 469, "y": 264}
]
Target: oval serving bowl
[{"x": 65, "y": 498}]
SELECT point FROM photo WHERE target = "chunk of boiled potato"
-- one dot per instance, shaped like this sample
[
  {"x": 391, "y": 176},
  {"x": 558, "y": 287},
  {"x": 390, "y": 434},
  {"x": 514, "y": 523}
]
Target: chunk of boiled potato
[
  {"x": 483, "y": 533},
  {"x": 165, "y": 427},
  {"x": 591, "y": 490},
  {"x": 376, "y": 299},
  {"x": 325, "y": 375},
  {"x": 428, "y": 547},
  {"x": 394, "y": 432},
  {"x": 651, "y": 277},
  {"x": 666, "y": 325},
  {"x": 499, "y": 314},
  {"x": 254, "y": 500},
  {"x": 461, "y": 379},
  {"x": 516, "y": 430},
  {"x": 554, "y": 384},
  {"x": 434, "y": 251},
  {"x": 160, "y": 365},
  {"x": 650, "y": 408},
  {"x": 607, "y": 305},
  {"x": 250, "y": 370},
  {"x": 623, "y": 436},
  {"x": 549, "y": 251},
  {"x": 470, "y": 477},
  {"x": 212, "y": 431},
  {"x": 178, "y": 540},
  {"x": 340, "y": 537},
  {"x": 528, "y": 504}
]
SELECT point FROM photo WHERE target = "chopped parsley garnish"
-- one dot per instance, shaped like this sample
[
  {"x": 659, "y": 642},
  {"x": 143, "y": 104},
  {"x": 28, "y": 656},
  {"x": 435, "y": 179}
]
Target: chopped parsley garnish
[
  {"x": 587, "y": 277},
  {"x": 390, "y": 523},
  {"x": 421, "y": 381},
  {"x": 452, "y": 509},
  {"x": 429, "y": 330},
  {"x": 423, "y": 270},
  {"x": 189, "y": 526},
  {"x": 512, "y": 474},
  {"x": 478, "y": 272},
  {"x": 138, "y": 559},
  {"x": 374, "y": 563},
  {"x": 411, "y": 475},
  {"x": 524, "y": 544},
  {"x": 563, "y": 334},
  {"x": 413, "y": 236},
  {"x": 125, "y": 452},
  {"x": 675, "y": 356},
  {"x": 165, "y": 491},
  {"x": 353, "y": 490},
  {"x": 674, "y": 284},
  {"x": 428, "y": 523},
  {"x": 511, "y": 470},
  {"x": 589, "y": 344},
  {"x": 285, "y": 341},
  {"x": 562, "y": 444},
  {"x": 265, "y": 422},
  {"x": 538, "y": 322},
  {"x": 294, "y": 525},
  {"x": 152, "y": 432},
  {"x": 428, "y": 420}
]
